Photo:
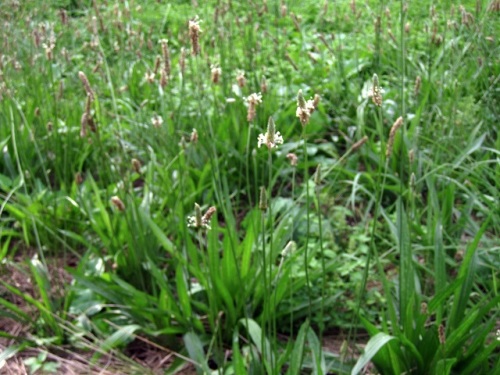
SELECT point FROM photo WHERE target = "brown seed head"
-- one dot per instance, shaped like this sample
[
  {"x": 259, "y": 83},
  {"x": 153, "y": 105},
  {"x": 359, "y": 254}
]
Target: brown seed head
[
  {"x": 253, "y": 101},
  {"x": 292, "y": 158},
  {"x": 149, "y": 77},
  {"x": 423, "y": 308},
  {"x": 283, "y": 9},
  {"x": 418, "y": 85},
  {"x": 356, "y": 146},
  {"x": 216, "y": 72},
  {"x": 166, "y": 56},
  {"x": 78, "y": 178},
  {"x": 305, "y": 108},
  {"x": 240, "y": 78},
  {"x": 136, "y": 165},
  {"x": 316, "y": 100},
  {"x": 411, "y": 156},
  {"x": 390, "y": 143},
  {"x": 64, "y": 16},
  {"x": 193, "y": 138},
  {"x": 86, "y": 85},
  {"x": 376, "y": 92},
  {"x": 352, "y": 4},
  {"x": 157, "y": 64},
  {"x": 467, "y": 18},
  {"x": 36, "y": 38},
  {"x": 84, "y": 121},
  {"x": 194, "y": 34},
  {"x": 182, "y": 61},
  {"x": 263, "y": 84},
  {"x": 118, "y": 203},
  {"x": 163, "y": 78},
  {"x": 441, "y": 334},
  {"x": 208, "y": 215},
  {"x": 494, "y": 6},
  {"x": 49, "y": 48}
]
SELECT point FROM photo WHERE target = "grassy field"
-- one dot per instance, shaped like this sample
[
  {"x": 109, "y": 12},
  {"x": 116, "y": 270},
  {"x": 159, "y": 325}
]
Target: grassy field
[{"x": 249, "y": 187}]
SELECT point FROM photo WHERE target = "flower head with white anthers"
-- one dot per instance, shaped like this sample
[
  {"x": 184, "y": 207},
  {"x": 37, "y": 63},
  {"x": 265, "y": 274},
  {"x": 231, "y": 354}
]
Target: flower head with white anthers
[
  {"x": 253, "y": 101},
  {"x": 157, "y": 121},
  {"x": 305, "y": 108},
  {"x": 272, "y": 138},
  {"x": 200, "y": 221},
  {"x": 194, "y": 34},
  {"x": 255, "y": 98},
  {"x": 293, "y": 159},
  {"x": 376, "y": 92}
]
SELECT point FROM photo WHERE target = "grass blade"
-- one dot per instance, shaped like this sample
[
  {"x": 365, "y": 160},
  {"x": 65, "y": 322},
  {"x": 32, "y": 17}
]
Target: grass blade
[
  {"x": 407, "y": 290},
  {"x": 372, "y": 347},
  {"x": 298, "y": 350},
  {"x": 467, "y": 272},
  {"x": 194, "y": 347}
]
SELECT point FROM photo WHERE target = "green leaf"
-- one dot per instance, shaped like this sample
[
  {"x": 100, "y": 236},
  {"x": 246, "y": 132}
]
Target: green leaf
[
  {"x": 439, "y": 264},
  {"x": 255, "y": 333},
  {"x": 372, "y": 347},
  {"x": 41, "y": 276},
  {"x": 473, "y": 146},
  {"x": 317, "y": 353},
  {"x": 298, "y": 350},
  {"x": 238, "y": 362},
  {"x": 223, "y": 293},
  {"x": 164, "y": 241},
  {"x": 407, "y": 292},
  {"x": 17, "y": 313},
  {"x": 467, "y": 272},
  {"x": 444, "y": 366},
  {"x": 439, "y": 299},
  {"x": 182, "y": 292},
  {"x": 480, "y": 359},
  {"x": 120, "y": 337},
  {"x": 9, "y": 352},
  {"x": 194, "y": 347},
  {"x": 468, "y": 326}
]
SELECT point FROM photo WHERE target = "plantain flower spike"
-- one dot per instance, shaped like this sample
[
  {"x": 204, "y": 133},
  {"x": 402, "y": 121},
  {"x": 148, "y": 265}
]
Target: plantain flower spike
[
  {"x": 376, "y": 92},
  {"x": 263, "y": 199},
  {"x": 271, "y": 138}
]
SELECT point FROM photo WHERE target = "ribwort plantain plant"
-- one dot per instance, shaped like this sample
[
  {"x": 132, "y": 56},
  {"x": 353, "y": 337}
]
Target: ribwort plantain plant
[{"x": 119, "y": 121}]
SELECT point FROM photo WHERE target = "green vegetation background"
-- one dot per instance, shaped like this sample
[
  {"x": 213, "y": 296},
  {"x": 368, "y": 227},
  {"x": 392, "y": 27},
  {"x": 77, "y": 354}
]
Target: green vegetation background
[{"x": 396, "y": 236}]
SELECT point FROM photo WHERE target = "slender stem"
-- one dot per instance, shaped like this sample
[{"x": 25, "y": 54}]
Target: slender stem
[
  {"x": 272, "y": 323},
  {"x": 402, "y": 159},
  {"x": 381, "y": 173},
  {"x": 265, "y": 304},
  {"x": 323, "y": 266},
  {"x": 308, "y": 224},
  {"x": 247, "y": 164},
  {"x": 291, "y": 236}
]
